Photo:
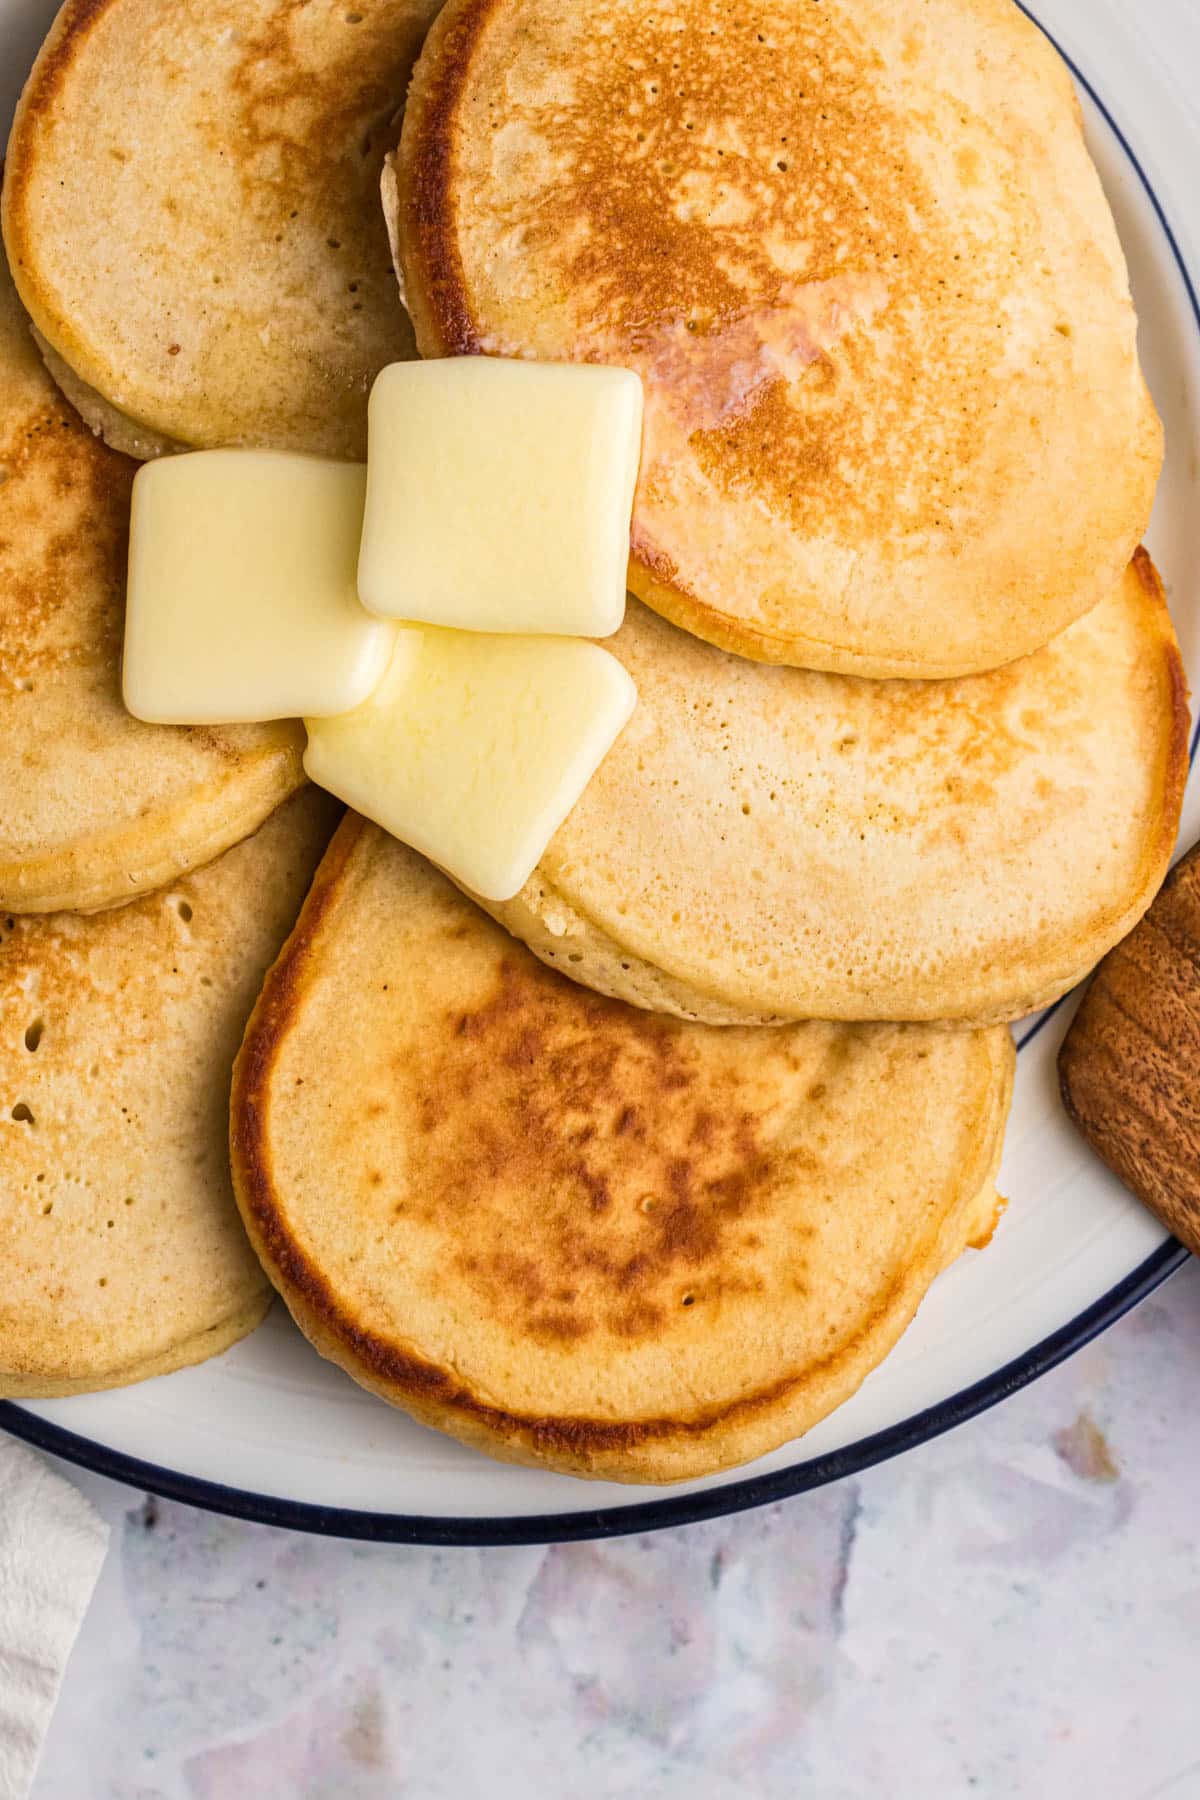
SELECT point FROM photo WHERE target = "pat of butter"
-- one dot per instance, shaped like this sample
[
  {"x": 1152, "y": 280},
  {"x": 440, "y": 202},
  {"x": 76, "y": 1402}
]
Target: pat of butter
[
  {"x": 242, "y": 603},
  {"x": 499, "y": 495},
  {"x": 473, "y": 749}
]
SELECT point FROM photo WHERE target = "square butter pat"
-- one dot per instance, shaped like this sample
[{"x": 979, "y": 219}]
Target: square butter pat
[
  {"x": 473, "y": 749},
  {"x": 242, "y": 603},
  {"x": 499, "y": 495}
]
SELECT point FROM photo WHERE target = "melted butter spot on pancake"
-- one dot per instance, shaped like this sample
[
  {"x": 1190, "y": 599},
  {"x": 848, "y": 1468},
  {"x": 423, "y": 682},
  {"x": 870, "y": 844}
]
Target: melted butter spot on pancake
[{"x": 711, "y": 374}]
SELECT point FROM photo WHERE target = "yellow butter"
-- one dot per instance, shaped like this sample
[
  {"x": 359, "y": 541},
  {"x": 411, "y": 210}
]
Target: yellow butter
[
  {"x": 499, "y": 495},
  {"x": 242, "y": 602},
  {"x": 473, "y": 749}
]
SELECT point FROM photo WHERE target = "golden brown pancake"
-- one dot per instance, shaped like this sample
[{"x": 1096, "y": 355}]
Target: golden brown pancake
[
  {"x": 123, "y": 1256},
  {"x": 766, "y": 843},
  {"x": 192, "y": 214},
  {"x": 571, "y": 1233},
  {"x": 97, "y": 808},
  {"x": 895, "y": 422}
]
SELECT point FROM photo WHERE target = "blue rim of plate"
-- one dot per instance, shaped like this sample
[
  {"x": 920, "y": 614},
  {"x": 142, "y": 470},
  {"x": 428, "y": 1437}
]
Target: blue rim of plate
[{"x": 709, "y": 1503}]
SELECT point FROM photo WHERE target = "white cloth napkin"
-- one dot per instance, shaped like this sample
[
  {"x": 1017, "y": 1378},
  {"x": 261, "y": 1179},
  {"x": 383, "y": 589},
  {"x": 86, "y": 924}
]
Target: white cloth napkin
[{"x": 52, "y": 1544}]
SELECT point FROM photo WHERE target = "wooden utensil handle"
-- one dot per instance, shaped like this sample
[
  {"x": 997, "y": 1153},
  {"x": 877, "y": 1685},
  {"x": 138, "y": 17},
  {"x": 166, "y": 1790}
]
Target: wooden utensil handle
[{"x": 1129, "y": 1067}]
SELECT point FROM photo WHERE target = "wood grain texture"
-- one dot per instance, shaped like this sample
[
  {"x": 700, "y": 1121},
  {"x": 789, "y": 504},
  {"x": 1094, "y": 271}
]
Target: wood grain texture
[{"x": 1130, "y": 1065}]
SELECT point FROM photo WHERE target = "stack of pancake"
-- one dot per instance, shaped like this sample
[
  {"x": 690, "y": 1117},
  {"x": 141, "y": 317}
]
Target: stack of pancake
[{"x": 641, "y": 1175}]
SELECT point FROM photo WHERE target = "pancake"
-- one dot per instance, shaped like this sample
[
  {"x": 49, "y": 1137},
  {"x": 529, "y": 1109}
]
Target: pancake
[
  {"x": 192, "y": 214},
  {"x": 123, "y": 1256},
  {"x": 121, "y": 433},
  {"x": 766, "y": 843},
  {"x": 97, "y": 807},
  {"x": 895, "y": 423},
  {"x": 574, "y": 1234}
]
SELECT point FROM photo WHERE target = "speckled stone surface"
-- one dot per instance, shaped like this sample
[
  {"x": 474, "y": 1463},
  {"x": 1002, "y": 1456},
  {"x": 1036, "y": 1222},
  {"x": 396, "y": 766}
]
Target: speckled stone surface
[{"x": 1013, "y": 1610}]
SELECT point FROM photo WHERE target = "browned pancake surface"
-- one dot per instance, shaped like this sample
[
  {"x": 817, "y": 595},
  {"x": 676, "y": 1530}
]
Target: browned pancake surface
[
  {"x": 895, "y": 423},
  {"x": 574, "y": 1233}
]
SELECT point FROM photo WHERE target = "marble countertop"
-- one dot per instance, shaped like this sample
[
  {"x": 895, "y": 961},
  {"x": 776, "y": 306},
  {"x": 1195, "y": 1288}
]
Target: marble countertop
[{"x": 1013, "y": 1610}]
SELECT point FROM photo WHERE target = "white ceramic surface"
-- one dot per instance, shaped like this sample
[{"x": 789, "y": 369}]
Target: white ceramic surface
[{"x": 270, "y": 1419}]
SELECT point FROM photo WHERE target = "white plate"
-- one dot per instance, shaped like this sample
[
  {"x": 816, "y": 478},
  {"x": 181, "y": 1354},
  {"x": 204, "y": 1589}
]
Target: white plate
[{"x": 270, "y": 1431}]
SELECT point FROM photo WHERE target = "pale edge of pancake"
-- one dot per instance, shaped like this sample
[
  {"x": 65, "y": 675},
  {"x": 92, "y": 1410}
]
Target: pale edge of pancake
[
  {"x": 634, "y": 1452},
  {"x": 564, "y": 937},
  {"x": 184, "y": 1355},
  {"x": 111, "y": 868},
  {"x": 566, "y": 940},
  {"x": 118, "y": 430},
  {"x": 389, "y": 195}
]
